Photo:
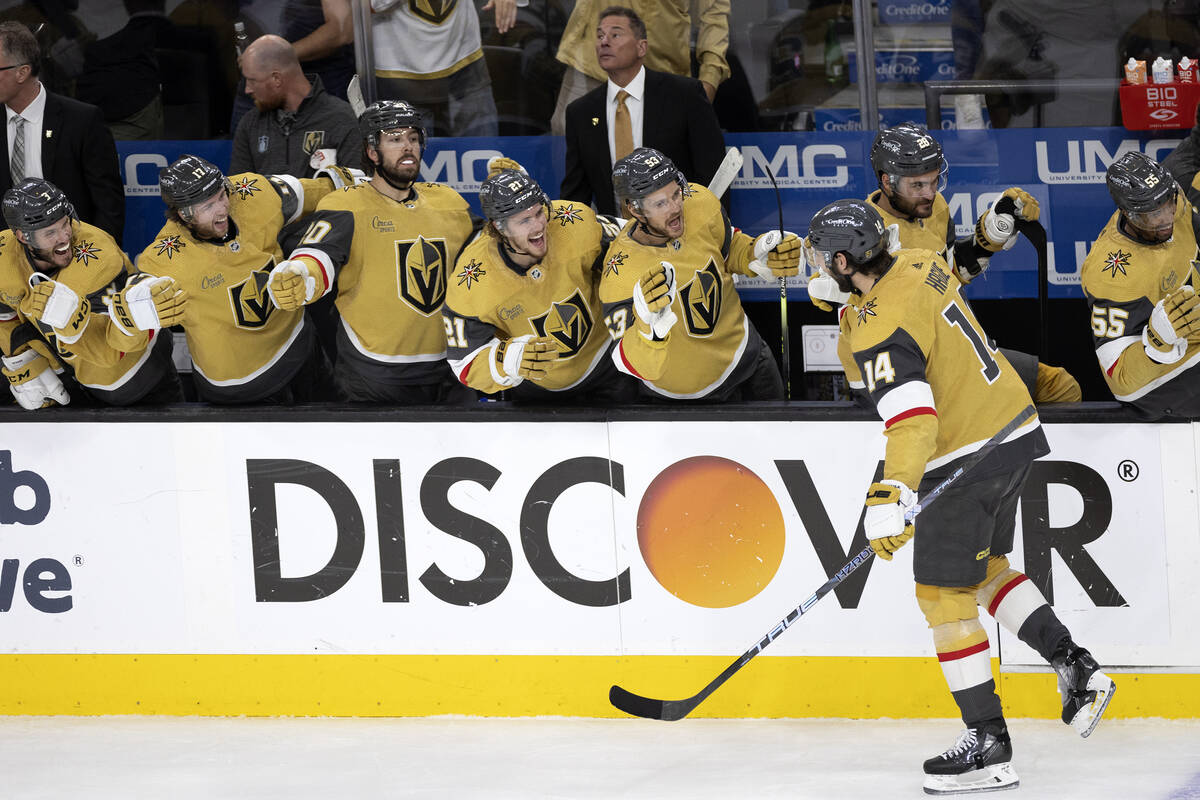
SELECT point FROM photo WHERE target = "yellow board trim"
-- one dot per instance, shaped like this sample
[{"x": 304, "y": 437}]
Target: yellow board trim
[
  {"x": 430, "y": 76},
  {"x": 517, "y": 686}
]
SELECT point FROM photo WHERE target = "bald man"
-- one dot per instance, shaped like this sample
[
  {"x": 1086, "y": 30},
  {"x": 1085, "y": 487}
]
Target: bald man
[{"x": 295, "y": 127}]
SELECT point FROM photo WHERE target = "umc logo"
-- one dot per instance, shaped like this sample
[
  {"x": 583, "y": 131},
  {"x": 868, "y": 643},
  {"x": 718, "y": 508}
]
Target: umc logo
[
  {"x": 459, "y": 172},
  {"x": 1087, "y": 160},
  {"x": 811, "y": 166}
]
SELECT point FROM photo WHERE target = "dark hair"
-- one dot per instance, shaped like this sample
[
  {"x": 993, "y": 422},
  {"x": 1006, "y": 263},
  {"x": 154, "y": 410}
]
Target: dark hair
[
  {"x": 635, "y": 22},
  {"x": 21, "y": 45}
]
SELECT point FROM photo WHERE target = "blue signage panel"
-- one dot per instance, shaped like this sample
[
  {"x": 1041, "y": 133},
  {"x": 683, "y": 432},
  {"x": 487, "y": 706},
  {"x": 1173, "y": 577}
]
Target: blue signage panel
[{"x": 1062, "y": 167}]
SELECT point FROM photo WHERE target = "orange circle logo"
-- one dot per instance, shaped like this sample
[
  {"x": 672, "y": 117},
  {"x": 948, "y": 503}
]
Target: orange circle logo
[{"x": 710, "y": 531}]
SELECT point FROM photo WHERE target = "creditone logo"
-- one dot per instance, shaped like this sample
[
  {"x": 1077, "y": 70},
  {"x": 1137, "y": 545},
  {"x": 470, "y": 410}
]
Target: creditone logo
[
  {"x": 709, "y": 530},
  {"x": 914, "y": 12},
  {"x": 897, "y": 67},
  {"x": 811, "y": 166},
  {"x": 465, "y": 173},
  {"x": 1087, "y": 160},
  {"x": 25, "y": 500}
]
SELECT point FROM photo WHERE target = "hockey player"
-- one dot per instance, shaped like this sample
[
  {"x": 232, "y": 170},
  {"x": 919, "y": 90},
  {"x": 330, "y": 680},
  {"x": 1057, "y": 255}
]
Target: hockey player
[
  {"x": 668, "y": 288},
  {"x": 1140, "y": 281},
  {"x": 911, "y": 170},
  {"x": 523, "y": 312},
  {"x": 220, "y": 244},
  {"x": 388, "y": 244},
  {"x": 942, "y": 392},
  {"x": 59, "y": 278}
]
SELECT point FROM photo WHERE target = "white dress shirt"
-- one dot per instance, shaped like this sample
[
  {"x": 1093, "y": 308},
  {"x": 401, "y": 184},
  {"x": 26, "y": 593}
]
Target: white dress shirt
[
  {"x": 636, "y": 105},
  {"x": 34, "y": 114}
]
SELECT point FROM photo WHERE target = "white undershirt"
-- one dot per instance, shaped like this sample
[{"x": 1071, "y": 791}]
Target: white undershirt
[{"x": 33, "y": 115}]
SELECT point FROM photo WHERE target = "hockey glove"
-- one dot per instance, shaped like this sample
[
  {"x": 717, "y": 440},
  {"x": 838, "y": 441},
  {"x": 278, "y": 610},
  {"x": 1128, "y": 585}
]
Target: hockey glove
[
  {"x": 514, "y": 360},
  {"x": 777, "y": 256},
  {"x": 342, "y": 177},
  {"x": 147, "y": 303},
  {"x": 497, "y": 163},
  {"x": 824, "y": 292},
  {"x": 1024, "y": 205},
  {"x": 995, "y": 231},
  {"x": 33, "y": 381},
  {"x": 652, "y": 299},
  {"x": 295, "y": 283},
  {"x": 1174, "y": 318},
  {"x": 55, "y": 305},
  {"x": 883, "y": 521}
]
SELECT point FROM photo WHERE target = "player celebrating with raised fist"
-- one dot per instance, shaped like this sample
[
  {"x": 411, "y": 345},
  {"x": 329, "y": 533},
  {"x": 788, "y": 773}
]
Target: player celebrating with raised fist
[
  {"x": 389, "y": 245},
  {"x": 911, "y": 170},
  {"x": 68, "y": 299},
  {"x": 523, "y": 311},
  {"x": 1139, "y": 278},
  {"x": 943, "y": 393},
  {"x": 668, "y": 288}
]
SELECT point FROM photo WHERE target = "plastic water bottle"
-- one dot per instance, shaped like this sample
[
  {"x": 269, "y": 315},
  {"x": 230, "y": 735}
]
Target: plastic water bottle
[{"x": 239, "y": 37}]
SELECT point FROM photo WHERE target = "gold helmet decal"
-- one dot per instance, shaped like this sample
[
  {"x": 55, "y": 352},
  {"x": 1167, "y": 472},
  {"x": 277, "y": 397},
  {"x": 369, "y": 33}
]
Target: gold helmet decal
[
  {"x": 700, "y": 299},
  {"x": 421, "y": 273},
  {"x": 569, "y": 322}
]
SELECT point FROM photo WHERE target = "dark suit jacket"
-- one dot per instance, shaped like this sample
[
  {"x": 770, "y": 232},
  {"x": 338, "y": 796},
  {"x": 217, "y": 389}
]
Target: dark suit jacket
[
  {"x": 678, "y": 120},
  {"x": 79, "y": 157}
]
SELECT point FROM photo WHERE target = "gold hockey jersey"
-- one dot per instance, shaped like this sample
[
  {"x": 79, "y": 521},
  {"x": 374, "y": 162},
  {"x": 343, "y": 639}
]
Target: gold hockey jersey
[
  {"x": 1123, "y": 278},
  {"x": 941, "y": 390},
  {"x": 712, "y": 344},
  {"x": 116, "y": 368},
  {"x": 242, "y": 347},
  {"x": 487, "y": 300},
  {"x": 390, "y": 261},
  {"x": 936, "y": 232}
]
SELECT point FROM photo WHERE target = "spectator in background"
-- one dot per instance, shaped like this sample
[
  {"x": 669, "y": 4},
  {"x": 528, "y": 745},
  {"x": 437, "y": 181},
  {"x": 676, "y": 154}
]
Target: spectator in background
[
  {"x": 121, "y": 73},
  {"x": 431, "y": 55},
  {"x": 638, "y": 107},
  {"x": 322, "y": 31},
  {"x": 670, "y": 26},
  {"x": 56, "y": 138},
  {"x": 295, "y": 127}
]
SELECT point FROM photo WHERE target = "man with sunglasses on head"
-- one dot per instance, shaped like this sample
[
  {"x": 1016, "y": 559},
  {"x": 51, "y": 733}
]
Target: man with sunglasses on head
[
  {"x": 911, "y": 170},
  {"x": 1140, "y": 282}
]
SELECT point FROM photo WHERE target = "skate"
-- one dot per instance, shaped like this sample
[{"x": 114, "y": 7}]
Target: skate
[
  {"x": 980, "y": 761},
  {"x": 1085, "y": 690}
]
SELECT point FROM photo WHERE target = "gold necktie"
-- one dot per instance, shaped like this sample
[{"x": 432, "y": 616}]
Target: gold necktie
[{"x": 622, "y": 128}]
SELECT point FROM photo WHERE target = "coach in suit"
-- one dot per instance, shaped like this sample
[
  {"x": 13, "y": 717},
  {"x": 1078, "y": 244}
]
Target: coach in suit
[
  {"x": 638, "y": 107},
  {"x": 60, "y": 139}
]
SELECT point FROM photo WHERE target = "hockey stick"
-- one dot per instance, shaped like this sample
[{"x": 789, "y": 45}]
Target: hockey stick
[
  {"x": 672, "y": 710},
  {"x": 1036, "y": 234},
  {"x": 730, "y": 166},
  {"x": 785, "y": 347}
]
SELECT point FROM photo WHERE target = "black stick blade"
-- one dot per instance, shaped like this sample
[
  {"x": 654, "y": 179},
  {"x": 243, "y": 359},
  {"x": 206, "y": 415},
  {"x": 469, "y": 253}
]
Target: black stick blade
[{"x": 648, "y": 708}]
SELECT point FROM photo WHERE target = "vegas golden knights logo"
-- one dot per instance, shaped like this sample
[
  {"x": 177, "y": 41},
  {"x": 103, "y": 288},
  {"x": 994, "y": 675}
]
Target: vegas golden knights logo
[
  {"x": 434, "y": 11},
  {"x": 252, "y": 305},
  {"x": 313, "y": 141},
  {"x": 701, "y": 301},
  {"x": 421, "y": 273},
  {"x": 569, "y": 323}
]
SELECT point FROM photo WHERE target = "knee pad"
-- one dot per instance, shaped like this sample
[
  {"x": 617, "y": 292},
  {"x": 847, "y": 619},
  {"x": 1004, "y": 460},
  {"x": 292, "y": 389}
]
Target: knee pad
[{"x": 953, "y": 618}]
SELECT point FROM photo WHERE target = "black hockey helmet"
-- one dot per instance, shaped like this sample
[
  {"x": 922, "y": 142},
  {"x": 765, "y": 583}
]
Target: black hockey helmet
[
  {"x": 1138, "y": 184},
  {"x": 387, "y": 115},
  {"x": 509, "y": 192},
  {"x": 190, "y": 180},
  {"x": 643, "y": 172},
  {"x": 34, "y": 204},
  {"x": 852, "y": 227},
  {"x": 907, "y": 149}
]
